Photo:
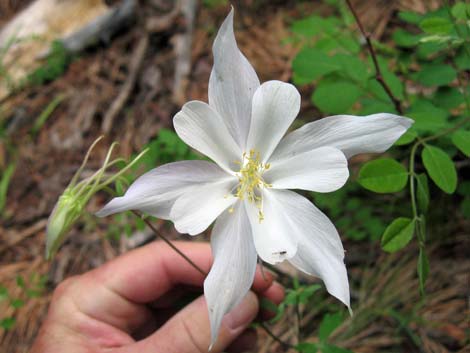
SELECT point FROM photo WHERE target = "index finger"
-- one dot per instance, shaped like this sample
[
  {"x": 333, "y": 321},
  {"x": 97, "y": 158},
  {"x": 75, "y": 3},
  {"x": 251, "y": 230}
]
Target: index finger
[{"x": 145, "y": 274}]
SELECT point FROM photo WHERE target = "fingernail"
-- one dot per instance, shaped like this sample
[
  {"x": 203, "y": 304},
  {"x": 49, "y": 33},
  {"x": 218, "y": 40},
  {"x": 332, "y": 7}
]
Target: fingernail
[{"x": 244, "y": 313}]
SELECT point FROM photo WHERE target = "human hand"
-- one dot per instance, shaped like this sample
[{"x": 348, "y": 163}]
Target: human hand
[{"x": 122, "y": 305}]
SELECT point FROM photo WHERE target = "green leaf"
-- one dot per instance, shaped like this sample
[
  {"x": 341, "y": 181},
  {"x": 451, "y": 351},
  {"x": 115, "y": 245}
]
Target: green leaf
[
  {"x": 408, "y": 137},
  {"x": 329, "y": 323},
  {"x": 423, "y": 269},
  {"x": 20, "y": 281},
  {"x": 353, "y": 67},
  {"x": 313, "y": 25},
  {"x": 410, "y": 17},
  {"x": 405, "y": 39},
  {"x": 306, "y": 293},
  {"x": 328, "y": 348},
  {"x": 383, "y": 175},
  {"x": 422, "y": 192},
  {"x": 461, "y": 60},
  {"x": 398, "y": 234},
  {"x": 306, "y": 347},
  {"x": 267, "y": 304},
  {"x": 3, "y": 293},
  {"x": 17, "y": 303},
  {"x": 436, "y": 25},
  {"x": 372, "y": 106},
  {"x": 448, "y": 97},
  {"x": 461, "y": 11},
  {"x": 440, "y": 168},
  {"x": 311, "y": 64},
  {"x": 436, "y": 75},
  {"x": 335, "y": 96},
  {"x": 428, "y": 50},
  {"x": 427, "y": 117},
  {"x": 4, "y": 183},
  {"x": 7, "y": 323},
  {"x": 461, "y": 140}
]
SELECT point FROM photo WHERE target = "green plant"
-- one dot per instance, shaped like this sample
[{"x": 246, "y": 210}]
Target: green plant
[{"x": 430, "y": 51}]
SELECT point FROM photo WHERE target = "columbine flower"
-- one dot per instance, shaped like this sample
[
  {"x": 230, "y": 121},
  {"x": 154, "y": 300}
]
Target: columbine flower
[{"x": 245, "y": 190}]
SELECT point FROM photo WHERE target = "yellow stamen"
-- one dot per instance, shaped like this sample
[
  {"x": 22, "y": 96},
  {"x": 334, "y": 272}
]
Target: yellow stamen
[{"x": 251, "y": 180}]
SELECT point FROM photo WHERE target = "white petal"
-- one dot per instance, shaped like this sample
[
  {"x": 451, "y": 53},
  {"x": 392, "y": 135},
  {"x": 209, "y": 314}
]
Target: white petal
[
  {"x": 275, "y": 106},
  {"x": 320, "y": 252},
  {"x": 194, "y": 211},
  {"x": 232, "y": 83},
  {"x": 233, "y": 270},
  {"x": 273, "y": 236},
  {"x": 351, "y": 134},
  {"x": 202, "y": 128},
  {"x": 156, "y": 191},
  {"x": 324, "y": 169}
]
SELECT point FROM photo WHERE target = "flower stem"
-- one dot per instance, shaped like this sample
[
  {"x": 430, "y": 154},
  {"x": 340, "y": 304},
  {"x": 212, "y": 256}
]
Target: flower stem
[
  {"x": 169, "y": 243},
  {"x": 378, "y": 73}
]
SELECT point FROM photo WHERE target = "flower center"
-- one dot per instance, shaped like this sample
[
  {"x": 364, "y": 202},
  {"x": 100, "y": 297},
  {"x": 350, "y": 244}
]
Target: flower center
[{"x": 251, "y": 181}]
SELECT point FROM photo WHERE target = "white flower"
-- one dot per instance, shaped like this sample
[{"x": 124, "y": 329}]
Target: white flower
[{"x": 245, "y": 191}]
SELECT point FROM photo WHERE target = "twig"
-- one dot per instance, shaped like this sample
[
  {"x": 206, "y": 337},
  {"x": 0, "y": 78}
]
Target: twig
[
  {"x": 378, "y": 72},
  {"x": 169, "y": 243},
  {"x": 127, "y": 87},
  {"x": 36, "y": 227}
]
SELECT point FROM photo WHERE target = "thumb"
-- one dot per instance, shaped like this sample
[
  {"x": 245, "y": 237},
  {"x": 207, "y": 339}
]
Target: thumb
[{"x": 189, "y": 330}]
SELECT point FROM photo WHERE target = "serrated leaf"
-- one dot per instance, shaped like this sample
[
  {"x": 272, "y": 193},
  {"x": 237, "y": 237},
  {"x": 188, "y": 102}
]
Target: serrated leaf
[
  {"x": 398, "y": 234},
  {"x": 422, "y": 192},
  {"x": 311, "y": 64},
  {"x": 440, "y": 168},
  {"x": 329, "y": 323},
  {"x": 436, "y": 75},
  {"x": 423, "y": 269},
  {"x": 383, "y": 175},
  {"x": 436, "y": 25},
  {"x": 461, "y": 140},
  {"x": 335, "y": 96}
]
